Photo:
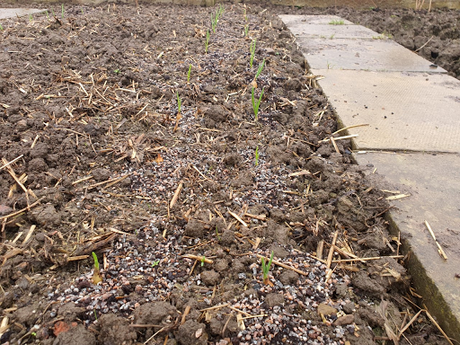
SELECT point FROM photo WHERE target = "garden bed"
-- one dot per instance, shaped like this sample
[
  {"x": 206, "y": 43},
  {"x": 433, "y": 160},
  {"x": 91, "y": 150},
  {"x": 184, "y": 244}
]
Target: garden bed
[{"x": 129, "y": 134}]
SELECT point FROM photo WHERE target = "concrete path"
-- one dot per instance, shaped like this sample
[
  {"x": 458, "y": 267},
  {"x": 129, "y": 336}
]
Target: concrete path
[
  {"x": 19, "y": 12},
  {"x": 412, "y": 112}
]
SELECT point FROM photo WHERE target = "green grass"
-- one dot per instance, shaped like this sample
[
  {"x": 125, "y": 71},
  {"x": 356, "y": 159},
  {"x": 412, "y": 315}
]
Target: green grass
[
  {"x": 256, "y": 103},
  {"x": 266, "y": 267},
  {"x": 189, "y": 73},
  {"x": 1, "y": 27},
  {"x": 252, "y": 49},
  {"x": 256, "y": 160},
  {"x": 179, "y": 103},
  {"x": 31, "y": 17},
  {"x": 336, "y": 22},
  {"x": 246, "y": 30},
  {"x": 260, "y": 69},
  {"x": 96, "y": 261},
  {"x": 62, "y": 11},
  {"x": 206, "y": 42}
]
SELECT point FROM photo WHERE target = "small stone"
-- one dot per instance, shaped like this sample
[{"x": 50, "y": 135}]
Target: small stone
[
  {"x": 326, "y": 310},
  {"x": 349, "y": 307},
  {"x": 274, "y": 299},
  {"x": 5, "y": 210},
  {"x": 345, "y": 320}
]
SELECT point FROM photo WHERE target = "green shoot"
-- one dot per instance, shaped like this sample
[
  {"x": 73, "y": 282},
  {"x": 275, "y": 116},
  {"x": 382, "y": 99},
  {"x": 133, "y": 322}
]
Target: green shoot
[
  {"x": 62, "y": 11},
  {"x": 246, "y": 30},
  {"x": 221, "y": 10},
  {"x": 96, "y": 262},
  {"x": 203, "y": 260},
  {"x": 206, "y": 43},
  {"x": 217, "y": 234},
  {"x": 96, "y": 273},
  {"x": 253, "y": 52},
  {"x": 266, "y": 268},
  {"x": 336, "y": 22},
  {"x": 256, "y": 103},
  {"x": 257, "y": 156},
  {"x": 189, "y": 72},
  {"x": 95, "y": 315},
  {"x": 213, "y": 22},
  {"x": 156, "y": 263},
  {"x": 31, "y": 18},
  {"x": 52, "y": 11},
  {"x": 259, "y": 70},
  {"x": 82, "y": 12},
  {"x": 47, "y": 14},
  {"x": 117, "y": 71},
  {"x": 179, "y": 102},
  {"x": 1, "y": 27},
  {"x": 245, "y": 16}
]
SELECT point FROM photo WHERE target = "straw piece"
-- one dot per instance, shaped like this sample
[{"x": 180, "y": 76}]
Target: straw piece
[
  {"x": 176, "y": 195},
  {"x": 238, "y": 218},
  {"x": 440, "y": 250}
]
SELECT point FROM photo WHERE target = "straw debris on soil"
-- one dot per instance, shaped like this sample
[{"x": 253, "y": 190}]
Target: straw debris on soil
[{"x": 101, "y": 154}]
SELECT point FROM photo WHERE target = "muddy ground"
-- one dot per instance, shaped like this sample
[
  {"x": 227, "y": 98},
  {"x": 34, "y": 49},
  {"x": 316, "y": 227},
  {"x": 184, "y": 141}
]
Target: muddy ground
[{"x": 122, "y": 135}]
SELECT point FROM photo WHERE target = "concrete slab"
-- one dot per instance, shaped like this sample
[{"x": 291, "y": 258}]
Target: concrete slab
[
  {"x": 432, "y": 181},
  {"x": 291, "y": 19},
  {"x": 375, "y": 55},
  {"x": 332, "y": 31},
  {"x": 20, "y": 12},
  {"x": 406, "y": 111}
]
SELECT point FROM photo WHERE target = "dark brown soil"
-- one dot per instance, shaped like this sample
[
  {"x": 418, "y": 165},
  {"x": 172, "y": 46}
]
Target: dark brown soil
[{"x": 180, "y": 203}]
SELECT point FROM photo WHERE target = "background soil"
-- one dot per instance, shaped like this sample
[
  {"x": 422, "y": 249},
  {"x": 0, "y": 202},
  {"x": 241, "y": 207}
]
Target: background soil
[{"x": 180, "y": 190}]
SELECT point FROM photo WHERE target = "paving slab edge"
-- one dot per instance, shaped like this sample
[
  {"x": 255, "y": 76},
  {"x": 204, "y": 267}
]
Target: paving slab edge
[{"x": 426, "y": 287}]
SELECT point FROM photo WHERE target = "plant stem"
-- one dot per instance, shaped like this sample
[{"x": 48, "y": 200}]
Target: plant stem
[
  {"x": 253, "y": 52},
  {"x": 206, "y": 43}
]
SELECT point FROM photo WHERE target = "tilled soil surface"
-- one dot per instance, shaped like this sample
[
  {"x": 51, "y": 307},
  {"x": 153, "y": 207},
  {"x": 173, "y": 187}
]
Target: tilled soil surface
[{"x": 121, "y": 136}]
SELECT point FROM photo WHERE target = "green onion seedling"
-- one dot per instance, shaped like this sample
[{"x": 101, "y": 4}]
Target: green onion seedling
[
  {"x": 213, "y": 22},
  {"x": 203, "y": 260},
  {"x": 246, "y": 30},
  {"x": 256, "y": 103},
  {"x": 96, "y": 273},
  {"x": 52, "y": 11},
  {"x": 62, "y": 11},
  {"x": 1, "y": 27},
  {"x": 179, "y": 102},
  {"x": 31, "y": 17},
  {"x": 266, "y": 268},
  {"x": 259, "y": 70},
  {"x": 256, "y": 161},
  {"x": 253, "y": 52},
  {"x": 206, "y": 43},
  {"x": 47, "y": 14},
  {"x": 189, "y": 73}
]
